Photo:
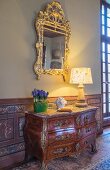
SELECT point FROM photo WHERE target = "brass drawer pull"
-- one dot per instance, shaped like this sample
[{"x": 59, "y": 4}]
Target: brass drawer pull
[
  {"x": 63, "y": 137},
  {"x": 60, "y": 150},
  {"x": 62, "y": 123},
  {"x": 78, "y": 120},
  {"x": 58, "y": 124},
  {"x": 77, "y": 147},
  {"x": 86, "y": 118}
]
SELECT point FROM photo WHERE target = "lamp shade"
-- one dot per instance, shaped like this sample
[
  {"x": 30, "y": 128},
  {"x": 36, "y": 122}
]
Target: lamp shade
[{"x": 81, "y": 76}]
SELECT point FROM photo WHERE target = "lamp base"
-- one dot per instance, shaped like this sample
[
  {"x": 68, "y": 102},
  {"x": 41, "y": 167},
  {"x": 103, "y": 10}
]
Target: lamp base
[{"x": 81, "y": 103}]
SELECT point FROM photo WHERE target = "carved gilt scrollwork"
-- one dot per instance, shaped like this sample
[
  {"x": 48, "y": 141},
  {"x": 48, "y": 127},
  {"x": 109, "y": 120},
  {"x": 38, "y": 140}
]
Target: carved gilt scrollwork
[{"x": 52, "y": 19}]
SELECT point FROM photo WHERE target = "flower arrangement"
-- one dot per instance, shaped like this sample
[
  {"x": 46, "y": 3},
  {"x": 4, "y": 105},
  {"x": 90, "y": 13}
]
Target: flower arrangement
[
  {"x": 39, "y": 95},
  {"x": 40, "y": 102}
]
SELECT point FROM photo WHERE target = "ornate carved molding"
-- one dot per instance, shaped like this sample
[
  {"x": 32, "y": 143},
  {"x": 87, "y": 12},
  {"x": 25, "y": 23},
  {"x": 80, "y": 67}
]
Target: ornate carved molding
[
  {"x": 11, "y": 109},
  {"x": 12, "y": 149},
  {"x": 6, "y": 129},
  {"x": 52, "y": 19}
]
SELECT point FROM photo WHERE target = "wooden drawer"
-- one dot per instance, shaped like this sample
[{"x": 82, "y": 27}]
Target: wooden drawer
[
  {"x": 60, "y": 134},
  {"x": 85, "y": 143},
  {"x": 60, "y": 123},
  {"x": 60, "y": 137},
  {"x": 86, "y": 131},
  {"x": 60, "y": 151},
  {"x": 84, "y": 119}
]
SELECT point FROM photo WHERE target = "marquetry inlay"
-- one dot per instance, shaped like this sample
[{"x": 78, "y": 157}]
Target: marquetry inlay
[
  {"x": 6, "y": 129},
  {"x": 11, "y": 109},
  {"x": 12, "y": 149}
]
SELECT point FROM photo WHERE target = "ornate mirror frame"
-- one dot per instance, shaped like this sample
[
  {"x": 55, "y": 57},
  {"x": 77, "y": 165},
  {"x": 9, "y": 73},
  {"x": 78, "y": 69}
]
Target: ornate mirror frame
[{"x": 51, "y": 19}]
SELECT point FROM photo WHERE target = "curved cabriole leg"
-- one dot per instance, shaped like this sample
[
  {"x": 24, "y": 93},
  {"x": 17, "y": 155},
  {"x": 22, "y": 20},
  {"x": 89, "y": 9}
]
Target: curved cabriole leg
[
  {"x": 93, "y": 148},
  {"x": 44, "y": 166}
]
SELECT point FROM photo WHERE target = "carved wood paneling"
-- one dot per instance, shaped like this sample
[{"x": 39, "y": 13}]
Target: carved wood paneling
[
  {"x": 11, "y": 130},
  {"x": 12, "y": 149},
  {"x": 96, "y": 100},
  {"x": 6, "y": 129},
  {"x": 21, "y": 122},
  {"x": 12, "y": 122}
]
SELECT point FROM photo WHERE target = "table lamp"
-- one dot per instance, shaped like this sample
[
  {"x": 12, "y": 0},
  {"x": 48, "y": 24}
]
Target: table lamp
[{"x": 81, "y": 76}]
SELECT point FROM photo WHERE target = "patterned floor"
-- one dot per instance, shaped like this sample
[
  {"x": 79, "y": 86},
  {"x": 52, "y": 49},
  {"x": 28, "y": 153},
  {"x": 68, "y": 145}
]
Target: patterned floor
[{"x": 85, "y": 161}]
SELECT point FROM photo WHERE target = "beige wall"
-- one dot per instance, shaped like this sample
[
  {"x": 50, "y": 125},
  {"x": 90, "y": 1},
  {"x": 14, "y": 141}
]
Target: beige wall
[{"x": 18, "y": 38}]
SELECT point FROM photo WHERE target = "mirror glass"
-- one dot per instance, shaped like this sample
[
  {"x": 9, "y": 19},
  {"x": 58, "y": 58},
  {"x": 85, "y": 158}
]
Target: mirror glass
[
  {"x": 53, "y": 51},
  {"x": 53, "y": 33}
]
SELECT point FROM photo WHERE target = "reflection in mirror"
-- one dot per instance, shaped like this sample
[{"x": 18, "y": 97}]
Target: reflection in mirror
[
  {"x": 53, "y": 52},
  {"x": 53, "y": 33}
]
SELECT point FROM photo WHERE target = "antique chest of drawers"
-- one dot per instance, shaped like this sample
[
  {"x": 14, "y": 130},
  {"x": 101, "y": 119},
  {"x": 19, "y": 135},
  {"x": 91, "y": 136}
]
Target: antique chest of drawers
[{"x": 57, "y": 134}]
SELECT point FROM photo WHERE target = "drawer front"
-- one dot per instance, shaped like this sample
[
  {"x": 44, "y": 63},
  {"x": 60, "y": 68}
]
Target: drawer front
[
  {"x": 85, "y": 143},
  {"x": 60, "y": 151},
  {"x": 60, "y": 123},
  {"x": 85, "y": 118},
  {"x": 60, "y": 137},
  {"x": 86, "y": 131}
]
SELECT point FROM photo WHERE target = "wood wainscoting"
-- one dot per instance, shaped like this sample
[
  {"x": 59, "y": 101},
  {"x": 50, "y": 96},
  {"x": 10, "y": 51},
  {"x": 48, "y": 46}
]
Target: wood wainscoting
[{"x": 12, "y": 120}]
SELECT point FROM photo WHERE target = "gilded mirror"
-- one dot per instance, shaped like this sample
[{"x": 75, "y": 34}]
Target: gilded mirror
[{"x": 53, "y": 33}]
